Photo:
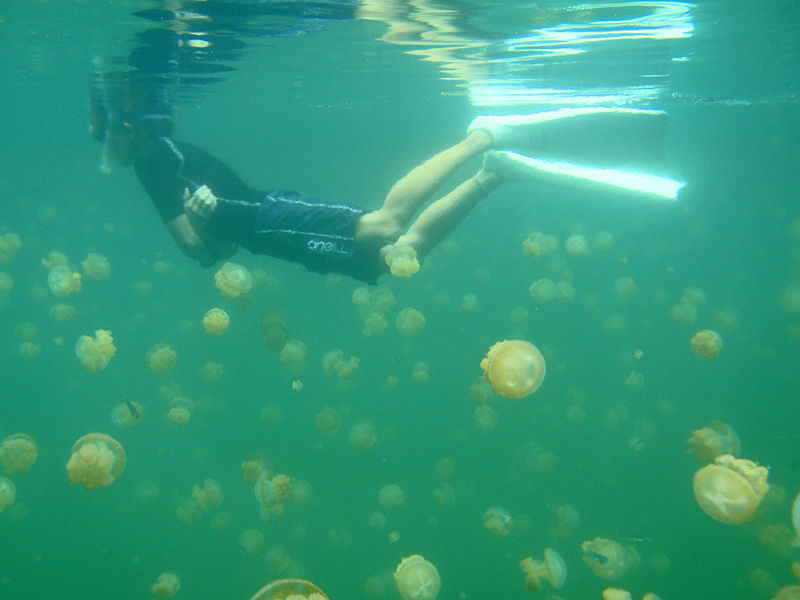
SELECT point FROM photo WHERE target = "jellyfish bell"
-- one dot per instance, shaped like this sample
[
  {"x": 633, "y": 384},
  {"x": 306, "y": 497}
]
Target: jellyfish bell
[
  {"x": 283, "y": 589},
  {"x": 216, "y": 321},
  {"x": 514, "y": 368},
  {"x": 8, "y": 493},
  {"x": 233, "y": 280},
  {"x": 254, "y": 465},
  {"x": 498, "y": 521},
  {"x": 616, "y": 594},
  {"x": 417, "y": 578},
  {"x": 161, "y": 359},
  {"x": 713, "y": 440},
  {"x": 97, "y": 460},
  {"x": 362, "y": 436},
  {"x": 410, "y": 321},
  {"x": 63, "y": 282},
  {"x": 18, "y": 452},
  {"x": 402, "y": 261},
  {"x": 127, "y": 414},
  {"x": 608, "y": 558},
  {"x": 391, "y": 496},
  {"x": 551, "y": 569},
  {"x": 166, "y": 586},
  {"x": 706, "y": 344},
  {"x": 251, "y": 540},
  {"x": 730, "y": 489},
  {"x": 95, "y": 353},
  {"x": 96, "y": 266}
]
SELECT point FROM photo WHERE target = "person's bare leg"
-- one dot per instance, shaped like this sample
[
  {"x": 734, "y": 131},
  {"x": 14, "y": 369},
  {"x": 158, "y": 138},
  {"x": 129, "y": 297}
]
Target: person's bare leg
[
  {"x": 411, "y": 192},
  {"x": 442, "y": 216}
]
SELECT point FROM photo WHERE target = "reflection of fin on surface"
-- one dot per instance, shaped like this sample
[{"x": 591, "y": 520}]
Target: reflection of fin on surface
[{"x": 517, "y": 167}]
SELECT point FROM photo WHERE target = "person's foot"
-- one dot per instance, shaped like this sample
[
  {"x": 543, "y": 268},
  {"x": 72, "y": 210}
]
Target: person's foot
[{"x": 507, "y": 166}]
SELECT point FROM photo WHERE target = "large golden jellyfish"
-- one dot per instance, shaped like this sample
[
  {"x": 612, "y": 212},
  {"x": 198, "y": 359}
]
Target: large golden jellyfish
[
  {"x": 8, "y": 493},
  {"x": 95, "y": 353},
  {"x": 18, "y": 452},
  {"x": 96, "y": 266},
  {"x": 273, "y": 329},
  {"x": 166, "y": 586},
  {"x": 417, "y": 578},
  {"x": 233, "y": 280},
  {"x": 216, "y": 321},
  {"x": 402, "y": 261},
  {"x": 713, "y": 440},
  {"x": 730, "y": 489},
  {"x": 706, "y": 344},
  {"x": 551, "y": 569},
  {"x": 290, "y": 589},
  {"x": 97, "y": 460},
  {"x": 515, "y": 368},
  {"x": 63, "y": 282},
  {"x": 161, "y": 359},
  {"x": 608, "y": 558}
]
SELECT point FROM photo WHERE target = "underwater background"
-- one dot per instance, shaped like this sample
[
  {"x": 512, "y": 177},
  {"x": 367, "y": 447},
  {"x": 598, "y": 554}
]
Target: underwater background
[{"x": 338, "y": 100}]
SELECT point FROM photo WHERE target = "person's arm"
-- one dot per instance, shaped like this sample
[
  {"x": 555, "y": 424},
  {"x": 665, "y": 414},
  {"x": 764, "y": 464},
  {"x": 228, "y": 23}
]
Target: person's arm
[{"x": 206, "y": 250}]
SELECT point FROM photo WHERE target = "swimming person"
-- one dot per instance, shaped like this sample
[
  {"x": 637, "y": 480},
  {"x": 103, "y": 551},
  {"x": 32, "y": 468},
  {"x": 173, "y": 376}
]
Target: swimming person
[{"x": 210, "y": 211}]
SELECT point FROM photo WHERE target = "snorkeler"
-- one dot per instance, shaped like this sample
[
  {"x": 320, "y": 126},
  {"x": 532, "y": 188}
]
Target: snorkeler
[{"x": 210, "y": 211}]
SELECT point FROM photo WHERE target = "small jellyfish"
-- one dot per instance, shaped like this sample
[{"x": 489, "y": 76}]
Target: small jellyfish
[
  {"x": 273, "y": 329},
  {"x": 730, "y": 489},
  {"x": 8, "y": 493},
  {"x": 96, "y": 266},
  {"x": 95, "y": 353},
  {"x": 333, "y": 363},
  {"x": 97, "y": 460},
  {"x": 254, "y": 466},
  {"x": 420, "y": 372},
  {"x": 327, "y": 420},
  {"x": 233, "y": 280},
  {"x": 616, "y": 594},
  {"x": 250, "y": 541},
  {"x": 603, "y": 240},
  {"x": 166, "y": 586},
  {"x": 417, "y": 579},
  {"x": 625, "y": 287},
  {"x": 484, "y": 417},
  {"x": 706, "y": 344},
  {"x": 391, "y": 497},
  {"x": 161, "y": 359},
  {"x": 543, "y": 290},
  {"x": 63, "y": 282},
  {"x": 301, "y": 491},
  {"x": 18, "y": 452},
  {"x": 6, "y": 283},
  {"x": 410, "y": 321},
  {"x": 538, "y": 244},
  {"x": 576, "y": 245},
  {"x": 293, "y": 354},
  {"x": 498, "y": 521},
  {"x": 10, "y": 244},
  {"x": 209, "y": 495},
  {"x": 470, "y": 303},
  {"x": 362, "y": 436},
  {"x": 514, "y": 368},
  {"x": 608, "y": 558},
  {"x": 552, "y": 569},
  {"x": 796, "y": 525},
  {"x": 788, "y": 592},
  {"x": 213, "y": 372},
  {"x": 361, "y": 296},
  {"x": 127, "y": 414},
  {"x": 713, "y": 440},
  {"x": 402, "y": 261},
  {"x": 63, "y": 313},
  {"x": 216, "y": 321}
]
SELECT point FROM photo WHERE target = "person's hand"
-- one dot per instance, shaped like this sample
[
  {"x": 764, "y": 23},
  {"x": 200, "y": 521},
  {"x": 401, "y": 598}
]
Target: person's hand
[{"x": 200, "y": 204}]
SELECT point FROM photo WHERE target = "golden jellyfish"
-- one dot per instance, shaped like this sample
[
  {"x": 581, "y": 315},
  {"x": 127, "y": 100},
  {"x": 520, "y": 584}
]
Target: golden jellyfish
[
  {"x": 290, "y": 589},
  {"x": 95, "y": 353},
  {"x": 608, "y": 558},
  {"x": 161, "y": 359},
  {"x": 551, "y": 569},
  {"x": 209, "y": 495},
  {"x": 445, "y": 468},
  {"x": 293, "y": 354},
  {"x": 498, "y": 521},
  {"x": 706, "y": 344},
  {"x": 410, "y": 321},
  {"x": 470, "y": 303},
  {"x": 374, "y": 323},
  {"x": 538, "y": 244},
  {"x": 361, "y": 296},
  {"x": 327, "y": 420},
  {"x": 391, "y": 497},
  {"x": 484, "y": 417},
  {"x": 18, "y": 452},
  {"x": 10, "y": 244},
  {"x": 8, "y": 493},
  {"x": 282, "y": 488},
  {"x": 97, "y": 460},
  {"x": 166, "y": 586},
  {"x": 63, "y": 282},
  {"x": 402, "y": 261},
  {"x": 730, "y": 489},
  {"x": 333, "y": 363},
  {"x": 788, "y": 592},
  {"x": 603, "y": 240},
  {"x": 417, "y": 579},
  {"x": 53, "y": 259},
  {"x": 616, "y": 594},
  {"x": 713, "y": 440},
  {"x": 233, "y": 280},
  {"x": 213, "y": 372},
  {"x": 96, "y": 266},
  {"x": 216, "y": 321},
  {"x": 180, "y": 410},
  {"x": 362, "y": 436},
  {"x": 514, "y": 368},
  {"x": 6, "y": 283},
  {"x": 420, "y": 372},
  {"x": 254, "y": 466},
  {"x": 796, "y": 525},
  {"x": 278, "y": 560},
  {"x": 127, "y": 414},
  {"x": 29, "y": 350},
  {"x": 301, "y": 491},
  {"x": 273, "y": 329},
  {"x": 251, "y": 540},
  {"x": 576, "y": 245},
  {"x": 625, "y": 287},
  {"x": 543, "y": 291},
  {"x": 63, "y": 313}
]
